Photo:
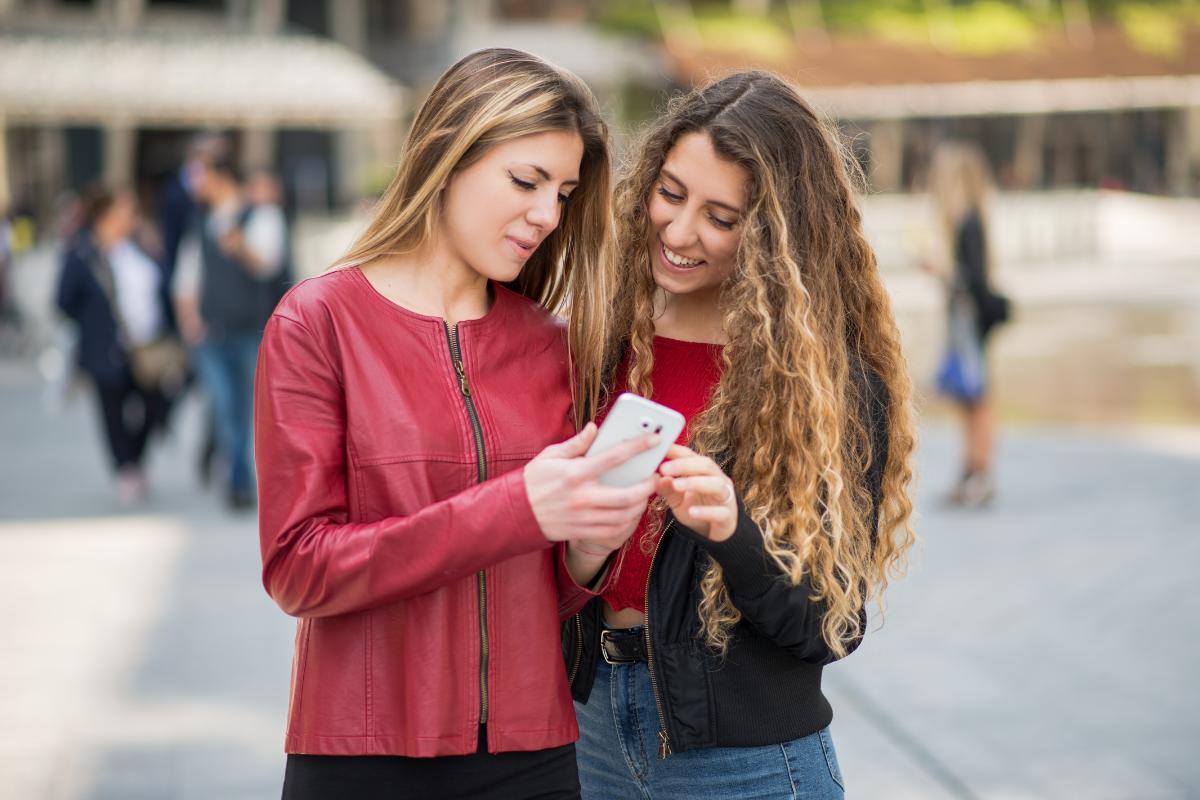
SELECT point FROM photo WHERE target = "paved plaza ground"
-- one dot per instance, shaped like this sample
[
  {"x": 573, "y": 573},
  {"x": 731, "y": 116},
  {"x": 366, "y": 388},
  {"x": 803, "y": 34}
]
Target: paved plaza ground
[{"x": 1047, "y": 648}]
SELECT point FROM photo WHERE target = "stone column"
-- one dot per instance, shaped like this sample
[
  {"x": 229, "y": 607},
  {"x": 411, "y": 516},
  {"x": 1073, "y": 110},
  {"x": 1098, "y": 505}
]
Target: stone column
[
  {"x": 355, "y": 155},
  {"x": 349, "y": 24},
  {"x": 49, "y": 172},
  {"x": 1028, "y": 164},
  {"x": 127, "y": 14},
  {"x": 258, "y": 148},
  {"x": 887, "y": 155},
  {"x": 267, "y": 16},
  {"x": 5, "y": 189},
  {"x": 1183, "y": 151},
  {"x": 120, "y": 143}
]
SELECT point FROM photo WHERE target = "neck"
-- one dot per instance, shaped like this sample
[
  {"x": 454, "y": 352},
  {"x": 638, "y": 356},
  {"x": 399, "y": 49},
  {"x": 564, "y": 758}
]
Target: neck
[
  {"x": 225, "y": 197},
  {"x": 691, "y": 317},
  {"x": 434, "y": 283},
  {"x": 105, "y": 238}
]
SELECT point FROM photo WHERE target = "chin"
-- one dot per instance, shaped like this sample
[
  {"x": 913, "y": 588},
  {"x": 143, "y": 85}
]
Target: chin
[
  {"x": 502, "y": 273},
  {"x": 675, "y": 284}
]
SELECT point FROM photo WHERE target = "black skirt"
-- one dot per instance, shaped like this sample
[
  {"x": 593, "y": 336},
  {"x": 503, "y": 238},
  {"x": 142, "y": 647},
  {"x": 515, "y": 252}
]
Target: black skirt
[{"x": 537, "y": 775}]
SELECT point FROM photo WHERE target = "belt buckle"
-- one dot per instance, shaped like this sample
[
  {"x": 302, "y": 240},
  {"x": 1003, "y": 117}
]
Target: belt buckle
[{"x": 605, "y": 637}]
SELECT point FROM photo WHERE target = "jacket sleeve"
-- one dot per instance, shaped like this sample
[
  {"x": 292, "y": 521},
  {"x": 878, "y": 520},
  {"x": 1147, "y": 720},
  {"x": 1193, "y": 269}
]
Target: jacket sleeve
[
  {"x": 316, "y": 562},
  {"x": 69, "y": 295},
  {"x": 769, "y": 602},
  {"x": 972, "y": 251},
  {"x": 571, "y": 596}
]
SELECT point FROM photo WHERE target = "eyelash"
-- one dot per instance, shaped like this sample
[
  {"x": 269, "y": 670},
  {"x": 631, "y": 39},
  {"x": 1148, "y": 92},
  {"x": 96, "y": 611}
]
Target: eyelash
[
  {"x": 671, "y": 197},
  {"x": 526, "y": 186}
]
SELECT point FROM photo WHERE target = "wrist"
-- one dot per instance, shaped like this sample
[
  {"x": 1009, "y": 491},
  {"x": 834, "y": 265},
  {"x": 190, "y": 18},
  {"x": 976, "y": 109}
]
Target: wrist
[{"x": 578, "y": 548}]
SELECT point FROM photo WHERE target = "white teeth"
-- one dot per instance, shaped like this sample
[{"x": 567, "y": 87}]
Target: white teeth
[{"x": 677, "y": 259}]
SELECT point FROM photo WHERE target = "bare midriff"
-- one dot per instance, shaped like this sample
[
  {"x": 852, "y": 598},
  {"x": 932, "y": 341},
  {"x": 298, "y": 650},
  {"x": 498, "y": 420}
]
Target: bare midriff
[{"x": 625, "y": 618}]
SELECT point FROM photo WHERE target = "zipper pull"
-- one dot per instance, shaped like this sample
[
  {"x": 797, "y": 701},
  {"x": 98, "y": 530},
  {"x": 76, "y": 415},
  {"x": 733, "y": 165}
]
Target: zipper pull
[
  {"x": 462, "y": 378},
  {"x": 664, "y": 745}
]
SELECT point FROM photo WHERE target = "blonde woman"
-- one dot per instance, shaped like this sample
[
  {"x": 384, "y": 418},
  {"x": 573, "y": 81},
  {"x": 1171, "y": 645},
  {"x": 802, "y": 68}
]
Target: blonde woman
[
  {"x": 750, "y": 301},
  {"x": 416, "y": 491},
  {"x": 960, "y": 185}
]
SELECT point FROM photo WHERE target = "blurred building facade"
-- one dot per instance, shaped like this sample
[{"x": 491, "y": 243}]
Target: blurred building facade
[
  {"x": 1082, "y": 106},
  {"x": 317, "y": 90},
  {"x": 113, "y": 89}
]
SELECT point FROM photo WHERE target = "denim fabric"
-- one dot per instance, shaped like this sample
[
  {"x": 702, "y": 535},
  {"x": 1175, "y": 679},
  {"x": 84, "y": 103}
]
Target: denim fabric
[
  {"x": 618, "y": 753},
  {"x": 226, "y": 370}
]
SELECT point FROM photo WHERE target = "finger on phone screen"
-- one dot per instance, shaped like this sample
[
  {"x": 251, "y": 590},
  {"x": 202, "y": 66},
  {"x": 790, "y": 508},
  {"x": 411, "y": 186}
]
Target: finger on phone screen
[{"x": 619, "y": 454}]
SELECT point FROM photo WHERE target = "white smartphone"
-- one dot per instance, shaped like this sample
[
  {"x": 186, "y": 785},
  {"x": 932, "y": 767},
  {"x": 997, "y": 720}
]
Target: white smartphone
[{"x": 632, "y": 416}]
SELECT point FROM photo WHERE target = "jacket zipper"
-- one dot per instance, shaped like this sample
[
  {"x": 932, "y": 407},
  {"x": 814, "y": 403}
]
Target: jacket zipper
[
  {"x": 481, "y": 473},
  {"x": 578, "y": 618},
  {"x": 664, "y": 743}
]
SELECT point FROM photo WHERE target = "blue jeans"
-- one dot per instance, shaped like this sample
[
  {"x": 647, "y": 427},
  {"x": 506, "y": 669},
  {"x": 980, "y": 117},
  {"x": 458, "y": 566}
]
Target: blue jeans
[
  {"x": 226, "y": 370},
  {"x": 618, "y": 753}
]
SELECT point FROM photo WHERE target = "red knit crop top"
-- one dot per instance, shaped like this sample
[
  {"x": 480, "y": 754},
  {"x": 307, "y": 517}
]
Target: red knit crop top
[{"x": 683, "y": 378}]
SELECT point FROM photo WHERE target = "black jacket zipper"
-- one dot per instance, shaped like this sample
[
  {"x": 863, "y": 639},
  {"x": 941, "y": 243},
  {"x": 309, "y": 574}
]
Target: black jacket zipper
[{"x": 664, "y": 742}]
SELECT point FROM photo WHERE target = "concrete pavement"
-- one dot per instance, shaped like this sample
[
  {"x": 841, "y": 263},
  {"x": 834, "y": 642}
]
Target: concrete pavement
[{"x": 1044, "y": 649}]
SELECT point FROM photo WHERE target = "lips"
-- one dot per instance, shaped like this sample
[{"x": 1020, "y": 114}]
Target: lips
[{"x": 523, "y": 248}]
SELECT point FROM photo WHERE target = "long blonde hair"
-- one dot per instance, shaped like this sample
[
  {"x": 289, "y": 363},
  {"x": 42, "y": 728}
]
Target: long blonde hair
[
  {"x": 489, "y": 97},
  {"x": 960, "y": 183},
  {"x": 805, "y": 310}
]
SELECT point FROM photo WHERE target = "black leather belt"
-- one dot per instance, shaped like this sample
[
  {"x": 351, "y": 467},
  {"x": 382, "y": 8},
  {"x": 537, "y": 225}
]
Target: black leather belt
[{"x": 623, "y": 645}]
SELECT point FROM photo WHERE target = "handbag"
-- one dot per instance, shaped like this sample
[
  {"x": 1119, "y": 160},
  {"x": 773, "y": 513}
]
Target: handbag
[
  {"x": 160, "y": 364},
  {"x": 956, "y": 380},
  {"x": 994, "y": 309},
  {"x": 961, "y": 373}
]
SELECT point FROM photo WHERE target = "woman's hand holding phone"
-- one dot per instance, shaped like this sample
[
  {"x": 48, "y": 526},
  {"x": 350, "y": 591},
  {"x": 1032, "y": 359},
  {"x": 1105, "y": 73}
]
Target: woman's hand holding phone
[
  {"x": 700, "y": 495},
  {"x": 571, "y": 505}
]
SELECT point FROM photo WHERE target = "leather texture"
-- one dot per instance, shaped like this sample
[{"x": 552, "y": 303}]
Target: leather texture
[{"x": 373, "y": 525}]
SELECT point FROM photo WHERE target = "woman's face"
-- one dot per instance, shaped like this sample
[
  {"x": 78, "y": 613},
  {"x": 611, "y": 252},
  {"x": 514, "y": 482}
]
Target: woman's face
[
  {"x": 695, "y": 210},
  {"x": 120, "y": 219},
  {"x": 498, "y": 210}
]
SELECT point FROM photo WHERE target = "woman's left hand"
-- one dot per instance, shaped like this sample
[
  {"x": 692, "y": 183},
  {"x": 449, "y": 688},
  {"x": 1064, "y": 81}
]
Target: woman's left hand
[{"x": 700, "y": 495}]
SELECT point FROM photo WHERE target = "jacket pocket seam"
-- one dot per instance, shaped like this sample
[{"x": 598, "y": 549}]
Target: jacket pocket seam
[
  {"x": 384, "y": 461},
  {"x": 301, "y": 672}
]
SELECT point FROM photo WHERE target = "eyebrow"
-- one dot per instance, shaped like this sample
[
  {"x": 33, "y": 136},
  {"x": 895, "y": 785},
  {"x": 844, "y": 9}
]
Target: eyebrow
[
  {"x": 675, "y": 178},
  {"x": 546, "y": 175}
]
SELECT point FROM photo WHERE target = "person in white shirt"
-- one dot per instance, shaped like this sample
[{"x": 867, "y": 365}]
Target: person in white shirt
[
  {"x": 226, "y": 286},
  {"x": 111, "y": 289}
]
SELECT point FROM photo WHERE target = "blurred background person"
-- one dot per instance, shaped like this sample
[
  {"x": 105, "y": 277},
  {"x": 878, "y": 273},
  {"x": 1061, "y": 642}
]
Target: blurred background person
[
  {"x": 112, "y": 290},
  {"x": 8, "y": 313},
  {"x": 178, "y": 210},
  {"x": 230, "y": 267},
  {"x": 267, "y": 231},
  {"x": 959, "y": 185},
  {"x": 178, "y": 203}
]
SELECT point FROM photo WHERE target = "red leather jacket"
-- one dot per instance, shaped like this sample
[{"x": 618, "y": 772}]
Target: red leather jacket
[{"x": 394, "y": 521}]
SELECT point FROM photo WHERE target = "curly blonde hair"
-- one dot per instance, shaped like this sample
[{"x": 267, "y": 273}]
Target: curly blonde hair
[{"x": 803, "y": 311}]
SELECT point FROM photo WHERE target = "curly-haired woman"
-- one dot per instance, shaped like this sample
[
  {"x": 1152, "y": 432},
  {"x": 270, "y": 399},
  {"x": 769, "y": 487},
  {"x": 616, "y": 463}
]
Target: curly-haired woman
[{"x": 750, "y": 301}]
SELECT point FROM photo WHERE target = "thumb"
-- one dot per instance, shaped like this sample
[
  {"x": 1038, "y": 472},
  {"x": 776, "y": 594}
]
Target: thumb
[{"x": 574, "y": 447}]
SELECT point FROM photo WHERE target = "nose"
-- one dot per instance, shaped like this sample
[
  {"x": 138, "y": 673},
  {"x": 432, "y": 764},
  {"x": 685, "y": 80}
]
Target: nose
[
  {"x": 544, "y": 211},
  {"x": 680, "y": 233}
]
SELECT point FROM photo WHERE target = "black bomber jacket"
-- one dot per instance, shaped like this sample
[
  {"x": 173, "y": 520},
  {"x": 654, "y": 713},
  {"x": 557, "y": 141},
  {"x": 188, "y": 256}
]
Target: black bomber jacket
[{"x": 766, "y": 689}]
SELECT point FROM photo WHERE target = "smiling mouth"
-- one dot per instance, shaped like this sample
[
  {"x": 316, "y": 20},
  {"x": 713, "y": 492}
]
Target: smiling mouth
[{"x": 677, "y": 260}]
